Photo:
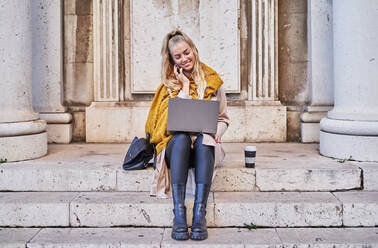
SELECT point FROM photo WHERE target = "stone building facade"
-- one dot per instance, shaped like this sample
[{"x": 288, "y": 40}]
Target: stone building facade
[{"x": 89, "y": 69}]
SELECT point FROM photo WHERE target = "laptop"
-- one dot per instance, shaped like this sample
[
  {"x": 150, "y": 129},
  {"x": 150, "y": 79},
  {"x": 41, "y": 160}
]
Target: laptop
[{"x": 190, "y": 115}]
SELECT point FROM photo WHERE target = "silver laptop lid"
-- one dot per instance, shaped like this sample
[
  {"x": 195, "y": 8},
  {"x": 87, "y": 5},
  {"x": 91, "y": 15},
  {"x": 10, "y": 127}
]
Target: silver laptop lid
[{"x": 189, "y": 115}]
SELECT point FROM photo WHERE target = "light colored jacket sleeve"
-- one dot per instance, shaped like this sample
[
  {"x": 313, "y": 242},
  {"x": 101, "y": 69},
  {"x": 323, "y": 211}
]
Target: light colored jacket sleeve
[{"x": 223, "y": 118}]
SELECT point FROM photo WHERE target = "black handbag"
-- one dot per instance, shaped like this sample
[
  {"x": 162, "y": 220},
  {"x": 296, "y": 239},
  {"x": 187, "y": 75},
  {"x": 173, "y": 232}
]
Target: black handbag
[{"x": 139, "y": 154}]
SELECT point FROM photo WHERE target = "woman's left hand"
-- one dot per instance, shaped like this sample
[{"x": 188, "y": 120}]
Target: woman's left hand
[{"x": 217, "y": 139}]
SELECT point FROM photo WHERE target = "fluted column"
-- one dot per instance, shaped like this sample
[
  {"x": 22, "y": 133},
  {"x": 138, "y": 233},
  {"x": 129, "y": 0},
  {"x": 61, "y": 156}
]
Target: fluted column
[
  {"x": 351, "y": 128},
  {"x": 48, "y": 69},
  {"x": 108, "y": 66},
  {"x": 22, "y": 134},
  {"x": 320, "y": 68},
  {"x": 264, "y": 69}
]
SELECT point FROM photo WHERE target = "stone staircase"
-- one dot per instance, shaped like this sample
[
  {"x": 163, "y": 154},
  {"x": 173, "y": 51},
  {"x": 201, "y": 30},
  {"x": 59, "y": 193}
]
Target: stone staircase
[{"x": 79, "y": 196}]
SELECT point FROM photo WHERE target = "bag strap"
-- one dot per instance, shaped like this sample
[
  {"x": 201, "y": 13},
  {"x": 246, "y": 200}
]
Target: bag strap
[
  {"x": 155, "y": 156},
  {"x": 148, "y": 136}
]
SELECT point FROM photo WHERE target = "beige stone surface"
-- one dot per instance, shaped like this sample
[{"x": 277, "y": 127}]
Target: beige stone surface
[
  {"x": 328, "y": 237},
  {"x": 16, "y": 237},
  {"x": 227, "y": 237},
  {"x": 59, "y": 133},
  {"x": 309, "y": 176},
  {"x": 17, "y": 148},
  {"x": 211, "y": 34},
  {"x": 90, "y": 172},
  {"x": 359, "y": 208},
  {"x": 277, "y": 209},
  {"x": 228, "y": 178},
  {"x": 98, "y": 167},
  {"x": 78, "y": 128},
  {"x": 98, "y": 237},
  {"x": 115, "y": 122},
  {"x": 128, "y": 209},
  {"x": 293, "y": 126},
  {"x": 310, "y": 132},
  {"x": 78, "y": 83},
  {"x": 137, "y": 180},
  {"x": 370, "y": 172},
  {"x": 78, "y": 41},
  {"x": 218, "y": 237},
  {"x": 293, "y": 86},
  {"x": 30, "y": 209},
  {"x": 292, "y": 38},
  {"x": 81, "y": 7},
  {"x": 251, "y": 123},
  {"x": 234, "y": 179}
]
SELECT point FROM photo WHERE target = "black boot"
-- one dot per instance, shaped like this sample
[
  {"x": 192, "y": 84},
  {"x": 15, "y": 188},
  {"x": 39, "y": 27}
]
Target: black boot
[
  {"x": 199, "y": 229},
  {"x": 180, "y": 226}
]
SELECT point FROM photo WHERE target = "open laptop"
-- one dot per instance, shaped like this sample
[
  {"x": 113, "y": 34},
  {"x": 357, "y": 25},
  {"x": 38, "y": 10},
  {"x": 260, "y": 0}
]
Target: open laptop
[{"x": 190, "y": 115}]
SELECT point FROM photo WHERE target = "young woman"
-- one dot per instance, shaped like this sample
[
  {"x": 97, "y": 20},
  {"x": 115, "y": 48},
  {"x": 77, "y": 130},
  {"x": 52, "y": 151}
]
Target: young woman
[{"x": 183, "y": 75}]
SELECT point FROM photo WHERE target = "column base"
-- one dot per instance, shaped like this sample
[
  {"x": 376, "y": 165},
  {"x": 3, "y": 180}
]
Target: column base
[
  {"x": 59, "y": 127},
  {"x": 59, "y": 133},
  {"x": 362, "y": 148},
  {"x": 310, "y": 122},
  {"x": 18, "y": 148},
  {"x": 310, "y": 132}
]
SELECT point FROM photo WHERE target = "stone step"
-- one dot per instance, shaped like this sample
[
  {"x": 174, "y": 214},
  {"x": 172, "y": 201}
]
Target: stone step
[
  {"x": 97, "y": 167},
  {"x": 160, "y": 237},
  {"x": 225, "y": 209}
]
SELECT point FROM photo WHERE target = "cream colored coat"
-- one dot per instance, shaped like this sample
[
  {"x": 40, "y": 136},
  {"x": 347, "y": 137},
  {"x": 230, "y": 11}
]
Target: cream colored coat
[{"x": 161, "y": 184}]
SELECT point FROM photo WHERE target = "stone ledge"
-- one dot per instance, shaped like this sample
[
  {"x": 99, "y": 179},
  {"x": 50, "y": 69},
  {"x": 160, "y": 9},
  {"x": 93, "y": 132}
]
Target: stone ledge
[
  {"x": 128, "y": 209},
  {"x": 97, "y": 167},
  {"x": 218, "y": 237},
  {"x": 246, "y": 124},
  {"x": 308, "y": 176},
  {"x": 275, "y": 209},
  {"x": 360, "y": 208},
  {"x": 29, "y": 209},
  {"x": 370, "y": 175},
  {"x": 225, "y": 209}
]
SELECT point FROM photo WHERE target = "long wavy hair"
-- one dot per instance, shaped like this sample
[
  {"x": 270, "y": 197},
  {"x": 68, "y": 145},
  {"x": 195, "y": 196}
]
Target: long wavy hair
[{"x": 167, "y": 76}]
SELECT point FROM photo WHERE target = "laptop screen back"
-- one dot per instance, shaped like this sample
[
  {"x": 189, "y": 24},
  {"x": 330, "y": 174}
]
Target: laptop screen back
[{"x": 189, "y": 115}]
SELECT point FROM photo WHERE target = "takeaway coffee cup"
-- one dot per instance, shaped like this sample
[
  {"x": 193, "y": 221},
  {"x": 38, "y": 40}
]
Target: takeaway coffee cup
[{"x": 250, "y": 156}]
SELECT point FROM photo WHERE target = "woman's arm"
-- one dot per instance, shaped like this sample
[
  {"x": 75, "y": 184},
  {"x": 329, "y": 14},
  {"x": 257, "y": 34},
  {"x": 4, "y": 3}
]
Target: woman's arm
[{"x": 223, "y": 118}]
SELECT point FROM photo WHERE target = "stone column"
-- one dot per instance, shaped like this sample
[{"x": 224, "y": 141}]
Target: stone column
[
  {"x": 320, "y": 68},
  {"x": 48, "y": 69},
  {"x": 351, "y": 128},
  {"x": 22, "y": 134},
  {"x": 263, "y": 85}
]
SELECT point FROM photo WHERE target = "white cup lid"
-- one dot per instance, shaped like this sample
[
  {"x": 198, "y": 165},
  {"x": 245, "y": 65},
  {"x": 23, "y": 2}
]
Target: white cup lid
[{"x": 250, "y": 148}]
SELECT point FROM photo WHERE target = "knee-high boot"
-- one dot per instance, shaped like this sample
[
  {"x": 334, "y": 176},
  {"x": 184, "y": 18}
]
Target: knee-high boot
[
  {"x": 180, "y": 226},
  {"x": 199, "y": 229}
]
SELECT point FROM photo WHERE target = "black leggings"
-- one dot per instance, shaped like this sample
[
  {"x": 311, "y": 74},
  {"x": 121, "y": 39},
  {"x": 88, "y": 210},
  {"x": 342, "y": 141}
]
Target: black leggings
[{"x": 179, "y": 155}]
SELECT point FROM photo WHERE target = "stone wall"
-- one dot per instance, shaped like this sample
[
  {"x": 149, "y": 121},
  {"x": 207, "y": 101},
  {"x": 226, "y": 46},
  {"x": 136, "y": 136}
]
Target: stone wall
[
  {"x": 293, "y": 86},
  {"x": 293, "y": 62},
  {"x": 78, "y": 61}
]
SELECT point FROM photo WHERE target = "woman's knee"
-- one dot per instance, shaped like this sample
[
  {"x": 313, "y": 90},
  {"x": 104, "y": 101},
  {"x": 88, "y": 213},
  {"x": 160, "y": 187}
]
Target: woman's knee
[
  {"x": 182, "y": 138},
  {"x": 182, "y": 141}
]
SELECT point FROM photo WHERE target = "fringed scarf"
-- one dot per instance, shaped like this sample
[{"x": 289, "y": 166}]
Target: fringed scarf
[{"x": 156, "y": 124}]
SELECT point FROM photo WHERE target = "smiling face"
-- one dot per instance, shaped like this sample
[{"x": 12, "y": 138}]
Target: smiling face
[{"x": 182, "y": 55}]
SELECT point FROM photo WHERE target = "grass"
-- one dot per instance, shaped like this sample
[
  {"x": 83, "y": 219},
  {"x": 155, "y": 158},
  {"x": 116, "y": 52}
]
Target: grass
[
  {"x": 345, "y": 159},
  {"x": 3, "y": 160},
  {"x": 250, "y": 226}
]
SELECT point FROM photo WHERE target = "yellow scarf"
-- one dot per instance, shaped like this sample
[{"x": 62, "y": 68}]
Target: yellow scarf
[{"x": 156, "y": 124}]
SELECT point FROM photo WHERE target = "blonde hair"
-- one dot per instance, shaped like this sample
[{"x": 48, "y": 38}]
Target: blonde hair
[{"x": 167, "y": 64}]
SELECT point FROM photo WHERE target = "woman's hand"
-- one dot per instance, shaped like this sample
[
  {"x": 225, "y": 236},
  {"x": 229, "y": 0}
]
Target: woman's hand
[
  {"x": 179, "y": 74},
  {"x": 217, "y": 139}
]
